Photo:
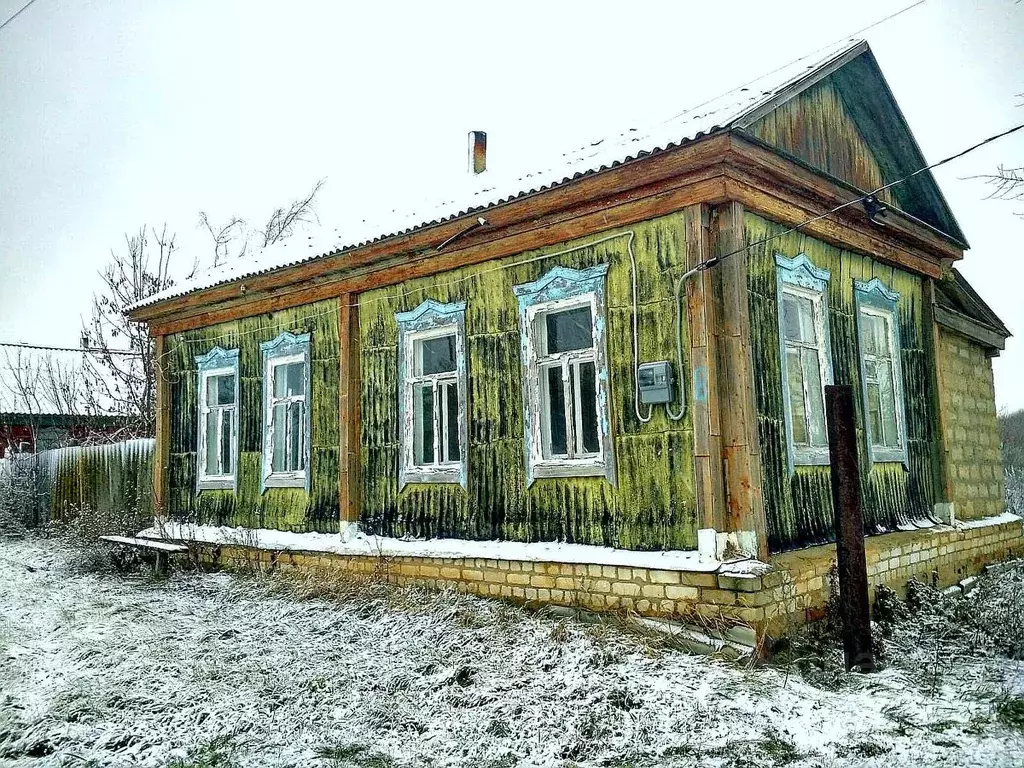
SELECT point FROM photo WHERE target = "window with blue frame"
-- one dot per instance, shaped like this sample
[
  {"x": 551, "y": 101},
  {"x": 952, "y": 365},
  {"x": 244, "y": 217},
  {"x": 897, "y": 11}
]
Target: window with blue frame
[
  {"x": 217, "y": 398},
  {"x": 881, "y": 371},
  {"x": 805, "y": 356},
  {"x": 432, "y": 394},
  {"x": 565, "y": 374},
  {"x": 286, "y": 421}
]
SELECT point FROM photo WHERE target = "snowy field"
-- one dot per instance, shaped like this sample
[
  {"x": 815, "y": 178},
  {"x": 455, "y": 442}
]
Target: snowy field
[{"x": 219, "y": 671}]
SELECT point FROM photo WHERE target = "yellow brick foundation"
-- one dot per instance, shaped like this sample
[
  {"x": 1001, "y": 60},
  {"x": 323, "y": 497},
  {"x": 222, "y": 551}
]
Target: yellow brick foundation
[{"x": 794, "y": 590}]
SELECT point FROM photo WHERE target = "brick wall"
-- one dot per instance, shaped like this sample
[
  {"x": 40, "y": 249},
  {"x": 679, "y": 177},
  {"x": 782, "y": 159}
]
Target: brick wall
[
  {"x": 794, "y": 588},
  {"x": 972, "y": 431}
]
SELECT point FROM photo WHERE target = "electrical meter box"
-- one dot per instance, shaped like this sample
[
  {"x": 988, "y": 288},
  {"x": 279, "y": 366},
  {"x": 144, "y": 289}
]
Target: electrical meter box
[{"x": 655, "y": 382}]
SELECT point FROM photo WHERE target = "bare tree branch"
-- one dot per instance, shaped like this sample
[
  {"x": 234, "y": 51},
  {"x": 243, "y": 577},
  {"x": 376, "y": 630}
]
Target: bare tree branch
[
  {"x": 283, "y": 221},
  {"x": 234, "y": 232}
]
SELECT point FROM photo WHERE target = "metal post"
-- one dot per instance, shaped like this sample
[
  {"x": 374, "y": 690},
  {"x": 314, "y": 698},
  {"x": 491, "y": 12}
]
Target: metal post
[{"x": 849, "y": 524}]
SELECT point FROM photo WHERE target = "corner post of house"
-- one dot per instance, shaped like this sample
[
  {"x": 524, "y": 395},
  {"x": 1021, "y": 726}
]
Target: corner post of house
[
  {"x": 162, "y": 428},
  {"x": 707, "y": 434},
  {"x": 737, "y": 411},
  {"x": 348, "y": 409},
  {"x": 940, "y": 454}
]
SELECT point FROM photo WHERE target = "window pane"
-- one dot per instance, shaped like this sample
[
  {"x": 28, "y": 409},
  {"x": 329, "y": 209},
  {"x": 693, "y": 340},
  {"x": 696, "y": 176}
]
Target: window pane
[
  {"x": 807, "y": 332},
  {"x": 211, "y": 443},
  {"x": 869, "y": 333},
  {"x": 225, "y": 443},
  {"x": 889, "y": 436},
  {"x": 226, "y": 389},
  {"x": 795, "y": 379},
  {"x": 874, "y": 414},
  {"x": 790, "y": 317},
  {"x": 423, "y": 424},
  {"x": 588, "y": 407},
  {"x": 295, "y": 437},
  {"x": 280, "y": 421},
  {"x": 882, "y": 337},
  {"x": 568, "y": 330},
  {"x": 451, "y": 396},
  {"x": 296, "y": 378},
  {"x": 435, "y": 355},
  {"x": 554, "y": 412},
  {"x": 816, "y": 401}
]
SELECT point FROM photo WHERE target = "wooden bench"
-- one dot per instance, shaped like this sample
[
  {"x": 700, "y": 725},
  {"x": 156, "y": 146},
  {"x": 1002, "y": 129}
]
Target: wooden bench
[{"x": 162, "y": 549}]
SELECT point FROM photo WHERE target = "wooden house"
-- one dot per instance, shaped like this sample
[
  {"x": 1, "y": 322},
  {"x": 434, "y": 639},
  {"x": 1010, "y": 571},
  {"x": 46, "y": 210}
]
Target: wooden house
[{"x": 543, "y": 360}]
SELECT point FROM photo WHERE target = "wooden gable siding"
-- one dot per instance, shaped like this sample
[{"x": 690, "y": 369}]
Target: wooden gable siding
[
  {"x": 653, "y": 505},
  {"x": 798, "y": 508},
  {"x": 816, "y": 127},
  {"x": 280, "y": 508}
]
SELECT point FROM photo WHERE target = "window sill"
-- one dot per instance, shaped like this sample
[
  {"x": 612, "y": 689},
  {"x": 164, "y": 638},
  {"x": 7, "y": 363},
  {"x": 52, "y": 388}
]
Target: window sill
[
  {"x": 569, "y": 468},
  {"x": 447, "y": 475},
  {"x": 811, "y": 457},
  {"x": 282, "y": 480},
  {"x": 888, "y": 455},
  {"x": 216, "y": 484}
]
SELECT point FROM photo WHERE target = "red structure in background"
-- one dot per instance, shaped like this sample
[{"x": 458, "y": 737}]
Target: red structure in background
[
  {"x": 17, "y": 438},
  {"x": 27, "y": 433}
]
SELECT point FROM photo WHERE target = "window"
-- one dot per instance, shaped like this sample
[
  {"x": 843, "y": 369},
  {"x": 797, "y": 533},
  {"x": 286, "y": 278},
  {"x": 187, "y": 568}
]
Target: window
[
  {"x": 286, "y": 384},
  {"x": 217, "y": 397},
  {"x": 432, "y": 393},
  {"x": 880, "y": 368},
  {"x": 805, "y": 357},
  {"x": 565, "y": 374}
]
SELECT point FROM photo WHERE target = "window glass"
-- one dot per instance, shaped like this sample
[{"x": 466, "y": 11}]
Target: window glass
[
  {"x": 569, "y": 330},
  {"x": 815, "y": 398},
  {"x": 588, "y": 407},
  {"x": 451, "y": 397},
  {"x": 880, "y": 393},
  {"x": 557, "y": 442},
  {"x": 226, "y": 433},
  {"x": 435, "y": 355},
  {"x": 290, "y": 379},
  {"x": 279, "y": 463},
  {"x": 795, "y": 374},
  {"x": 803, "y": 370},
  {"x": 212, "y": 467}
]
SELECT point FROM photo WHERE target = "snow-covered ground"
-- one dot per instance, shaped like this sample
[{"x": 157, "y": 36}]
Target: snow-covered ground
[{"x": 206, "y": 670}]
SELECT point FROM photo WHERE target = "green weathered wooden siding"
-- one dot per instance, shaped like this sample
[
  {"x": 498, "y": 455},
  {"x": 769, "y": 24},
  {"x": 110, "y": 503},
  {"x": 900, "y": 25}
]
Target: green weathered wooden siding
[
  {"x": 652, "y": 507},
  {"x": 281, "y": 508},
  {"x": 799, "y": 508}
]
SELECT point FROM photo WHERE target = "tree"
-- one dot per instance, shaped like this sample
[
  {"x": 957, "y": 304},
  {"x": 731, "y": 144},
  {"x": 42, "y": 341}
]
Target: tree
[
  {"x": 232, "y": 240},
  {"x": 127, "y": 382},
  {"x": 121, "y": 368},
  {"x": 1008, "y": 181}
]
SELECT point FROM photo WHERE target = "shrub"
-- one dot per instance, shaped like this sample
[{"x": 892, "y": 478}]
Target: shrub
[
  {"x": 18, "y": 491},
  {"x": 80, "y": 531}
]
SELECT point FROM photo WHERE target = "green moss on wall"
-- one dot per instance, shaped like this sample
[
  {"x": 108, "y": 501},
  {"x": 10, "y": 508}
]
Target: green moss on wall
[
  {"x": 799, "y": 508},
  {"x": 281, "y": 508},
  {"x": 653, "y": 505}
]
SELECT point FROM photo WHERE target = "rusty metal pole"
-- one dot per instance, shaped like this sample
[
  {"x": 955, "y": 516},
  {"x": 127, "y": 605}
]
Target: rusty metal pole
[{"x": 849, "y": 524}]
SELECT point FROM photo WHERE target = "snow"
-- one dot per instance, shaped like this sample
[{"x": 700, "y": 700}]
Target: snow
[
  {"x": 369, "y": 545},
  {"x": 109, "y": 670},
  {"x": 984, "y": 522},
  {"x": 475, "y": 194}
]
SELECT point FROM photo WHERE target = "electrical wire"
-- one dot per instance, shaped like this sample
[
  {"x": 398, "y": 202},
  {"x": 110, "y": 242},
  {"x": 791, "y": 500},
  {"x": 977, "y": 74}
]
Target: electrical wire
[
  {"x": 84, "y": 350},
  {"x": 718, "y": 259},
  {"x": 815, "y": 52},
  {"x": 17, "y": 13}
]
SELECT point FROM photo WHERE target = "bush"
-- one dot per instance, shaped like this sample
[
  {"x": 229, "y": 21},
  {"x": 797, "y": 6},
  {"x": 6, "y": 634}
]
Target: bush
[
  {"x": 1015, "y": 490},
  {"x": 17, "y": 496},
  {"x": 81, "y": 529}
]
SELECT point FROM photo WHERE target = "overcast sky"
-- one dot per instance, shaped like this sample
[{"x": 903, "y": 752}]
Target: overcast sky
[{"x": 117, "y": 114}]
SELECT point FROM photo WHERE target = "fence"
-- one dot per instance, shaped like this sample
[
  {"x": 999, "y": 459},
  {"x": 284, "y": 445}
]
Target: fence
[{"x": 47, "y": 486}]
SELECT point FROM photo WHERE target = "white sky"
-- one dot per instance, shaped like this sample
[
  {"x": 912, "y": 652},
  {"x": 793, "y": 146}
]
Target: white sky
[{"x": 114, "y": 114}]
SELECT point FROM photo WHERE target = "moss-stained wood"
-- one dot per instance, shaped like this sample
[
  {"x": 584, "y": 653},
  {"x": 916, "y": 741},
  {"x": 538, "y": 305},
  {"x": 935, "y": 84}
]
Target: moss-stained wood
[
  {"x": 816, "y": 127},
  {"x": 281, "y": 508},
  {"x": 653, "y": 504},
  {"x": 799, "y": 507}
]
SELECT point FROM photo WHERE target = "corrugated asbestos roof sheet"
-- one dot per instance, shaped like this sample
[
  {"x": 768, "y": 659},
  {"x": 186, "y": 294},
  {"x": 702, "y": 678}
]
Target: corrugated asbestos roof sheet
[{"x": 705, "y": 119}]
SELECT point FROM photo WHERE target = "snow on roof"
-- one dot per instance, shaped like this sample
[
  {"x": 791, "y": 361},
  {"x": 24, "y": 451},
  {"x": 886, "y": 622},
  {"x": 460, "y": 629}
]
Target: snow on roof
[
  {"x": 493, "y": 188},
  {"x": 42, "y": 382}
]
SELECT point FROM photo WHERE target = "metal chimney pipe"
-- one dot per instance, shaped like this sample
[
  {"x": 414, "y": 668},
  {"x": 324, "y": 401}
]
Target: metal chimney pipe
[{"x": 477, "y": 152}]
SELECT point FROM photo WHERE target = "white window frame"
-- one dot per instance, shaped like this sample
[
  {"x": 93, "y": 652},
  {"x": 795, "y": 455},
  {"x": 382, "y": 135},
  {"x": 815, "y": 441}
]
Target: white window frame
[
  {"x": 216, "y": 362},
  {"x": 799, "y": 277},
  {"x": 432, "y": 320},
  {"x": 875, "y": 298},
  {"x": 285, "y": 349},
  {"x": 559, "y": 290}
]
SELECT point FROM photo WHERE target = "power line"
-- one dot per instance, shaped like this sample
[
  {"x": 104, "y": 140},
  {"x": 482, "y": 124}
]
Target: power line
[
  {"x": 17, "y": 13},
  {"x": 84, "y": 350},
  {"x": 815, "y": 52},
  {"x": 712, "y": 262}
]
